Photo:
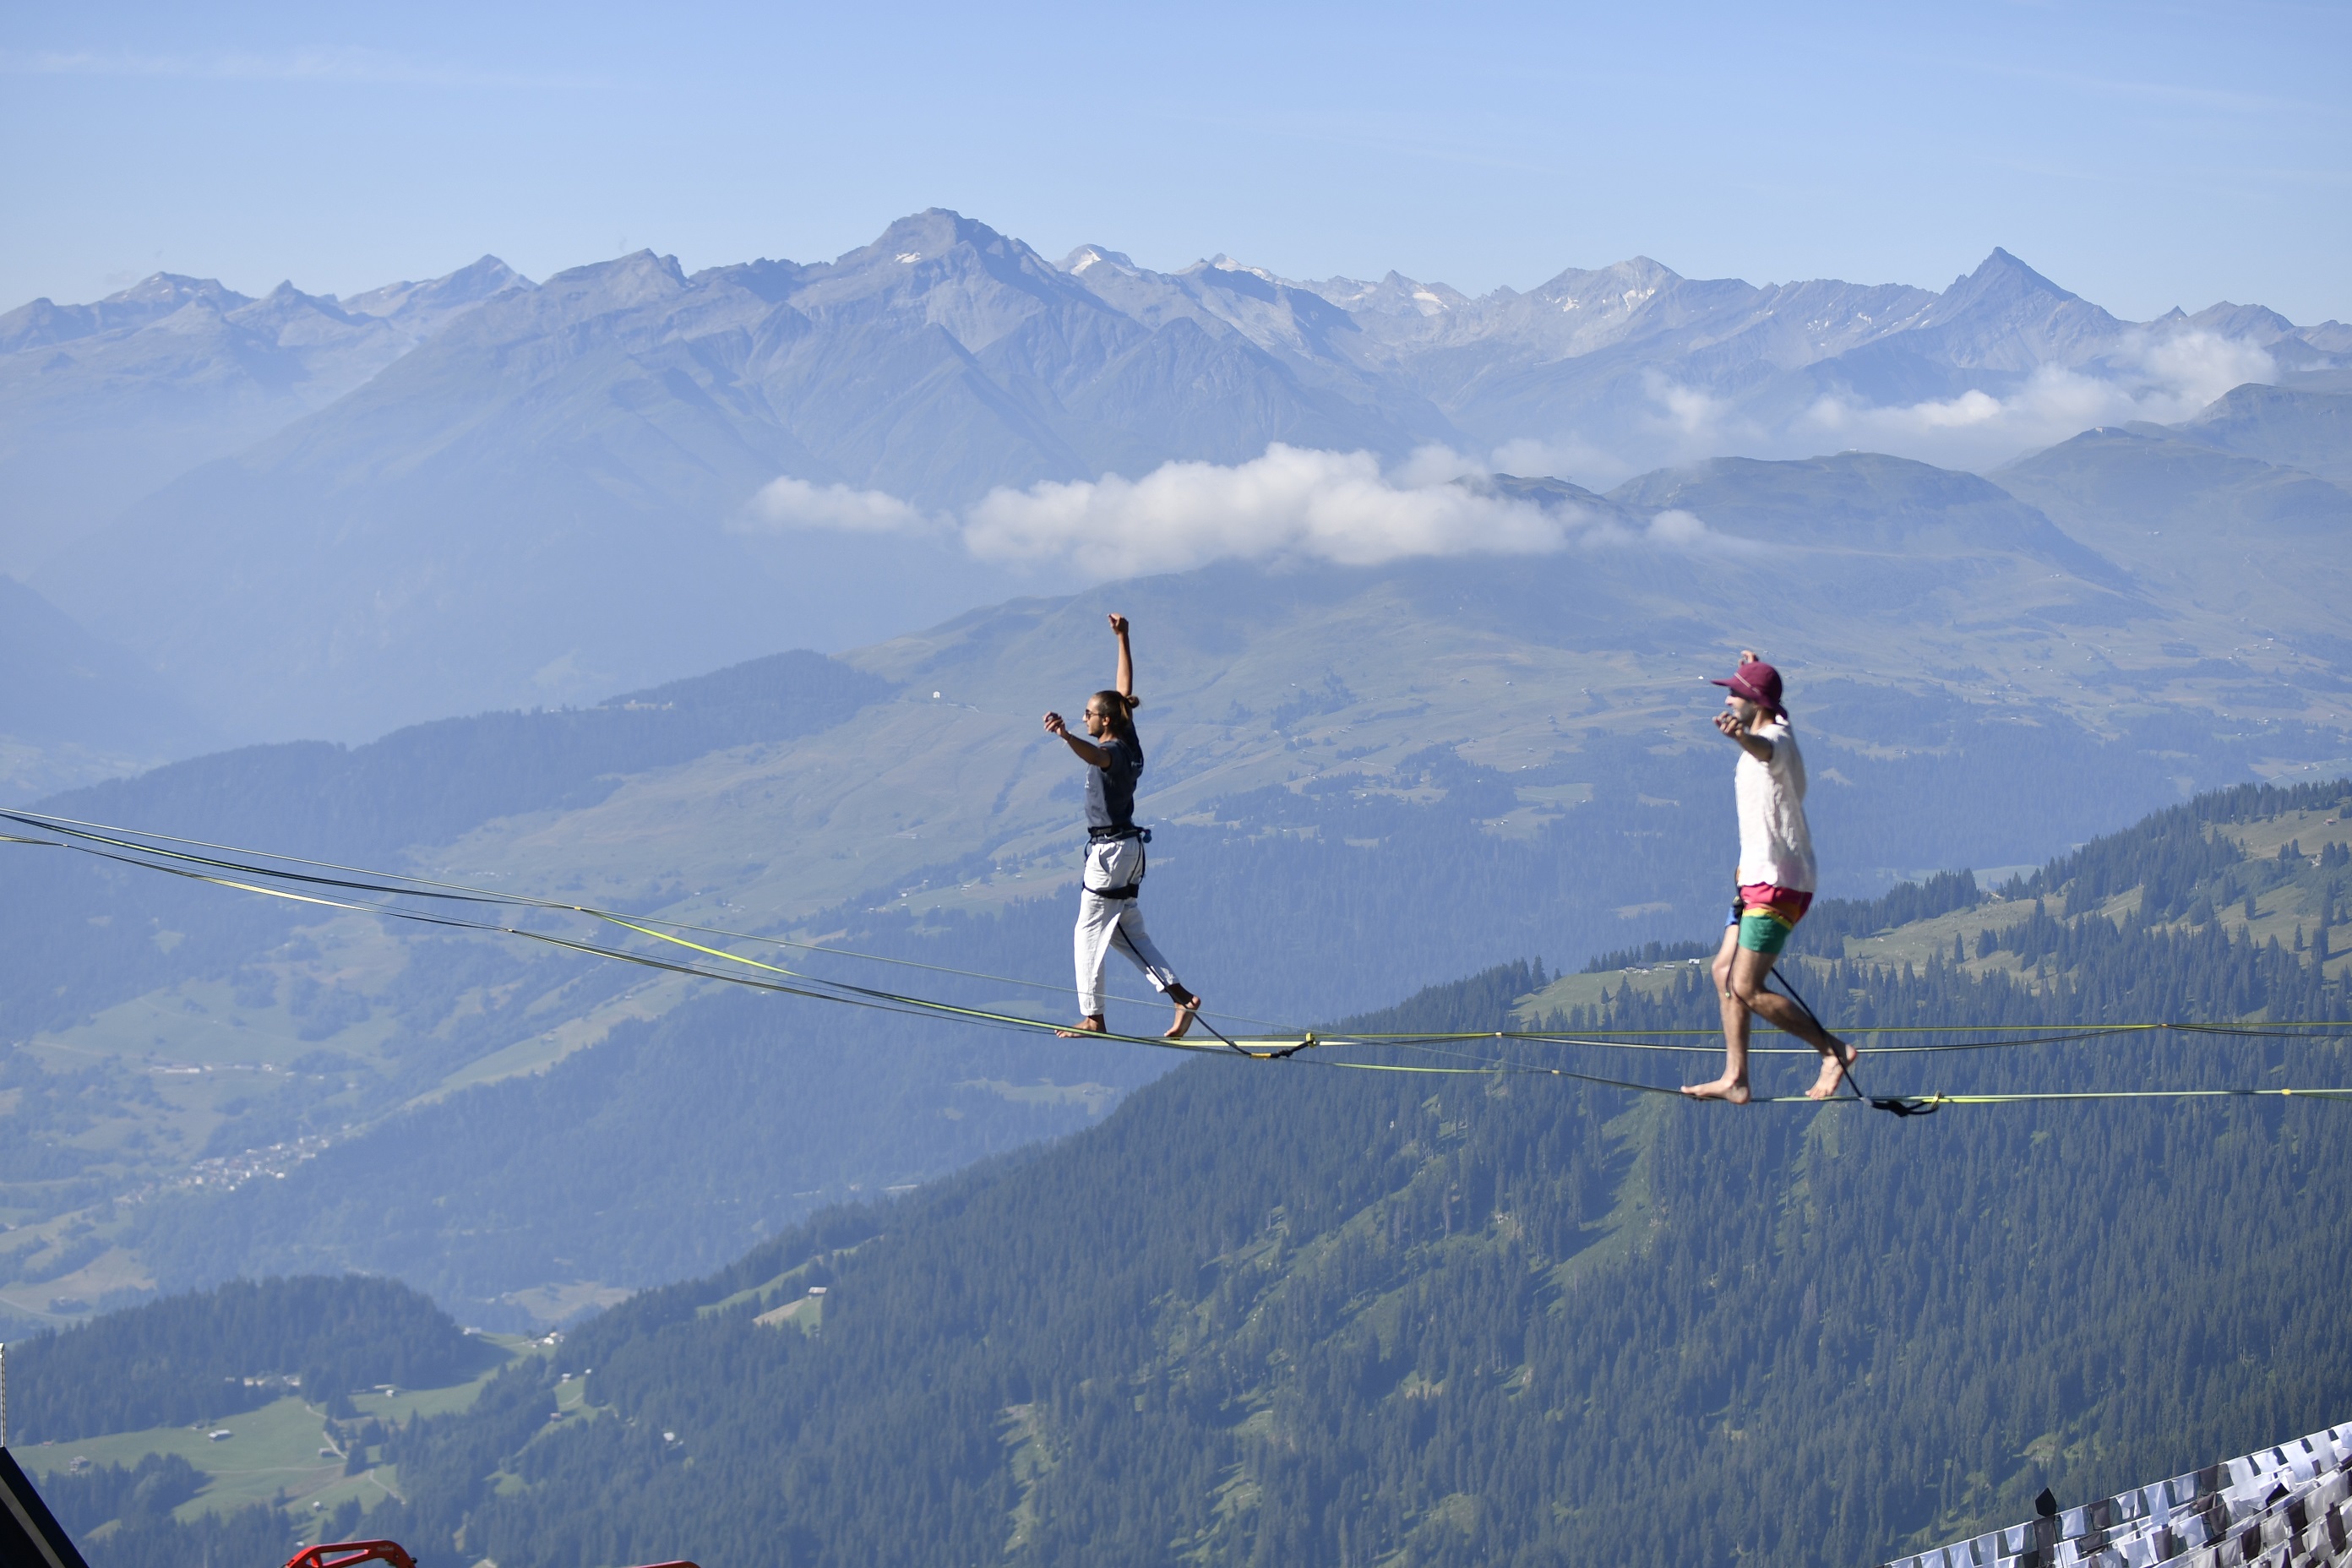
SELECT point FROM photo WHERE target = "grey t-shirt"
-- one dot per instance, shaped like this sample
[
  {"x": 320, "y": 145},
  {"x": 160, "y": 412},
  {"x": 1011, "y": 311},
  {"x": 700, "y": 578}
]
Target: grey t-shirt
[{"x": 1110, "y": 790}]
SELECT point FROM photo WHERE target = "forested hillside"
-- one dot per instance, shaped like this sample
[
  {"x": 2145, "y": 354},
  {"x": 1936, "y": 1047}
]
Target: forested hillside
[
  {"x": 1279, "y": 1312},
  {"x": 662, "y": 1152},
  {"x": 199, "y": 1357}
]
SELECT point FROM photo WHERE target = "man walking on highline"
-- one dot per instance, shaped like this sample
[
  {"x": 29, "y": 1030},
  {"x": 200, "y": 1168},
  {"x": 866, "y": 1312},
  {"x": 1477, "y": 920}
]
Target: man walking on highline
[{"x": 1776, "y": 884}]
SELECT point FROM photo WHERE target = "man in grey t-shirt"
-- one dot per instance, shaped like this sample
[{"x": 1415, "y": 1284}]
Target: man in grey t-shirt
[{"x": 1110, "y": 782}]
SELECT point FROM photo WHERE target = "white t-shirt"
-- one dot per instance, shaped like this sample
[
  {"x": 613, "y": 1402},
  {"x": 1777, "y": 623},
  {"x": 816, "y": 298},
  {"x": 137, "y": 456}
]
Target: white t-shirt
[{"x": 1775, "y": 845}]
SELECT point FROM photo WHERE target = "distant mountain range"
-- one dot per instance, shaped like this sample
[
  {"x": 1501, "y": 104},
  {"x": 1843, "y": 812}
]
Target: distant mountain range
[
  {"x": 101, "y": 404},
  {"x": 987, "y": 339},
  {"x": 334, "y": 516}
]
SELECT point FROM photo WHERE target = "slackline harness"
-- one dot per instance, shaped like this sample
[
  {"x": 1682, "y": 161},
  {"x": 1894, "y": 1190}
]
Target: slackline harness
[
  {"x": 155, "y": 852},
  {"x": 1141, "y": 835}
]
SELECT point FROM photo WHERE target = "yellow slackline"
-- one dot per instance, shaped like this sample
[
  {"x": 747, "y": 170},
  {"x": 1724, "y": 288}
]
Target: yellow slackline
[
  {"x": 835, "y": 990},
  {"x": 129, "y": 847}
]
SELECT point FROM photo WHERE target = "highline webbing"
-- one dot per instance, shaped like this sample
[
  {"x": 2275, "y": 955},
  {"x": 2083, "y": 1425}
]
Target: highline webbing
[{"x": 152, "y": 851}]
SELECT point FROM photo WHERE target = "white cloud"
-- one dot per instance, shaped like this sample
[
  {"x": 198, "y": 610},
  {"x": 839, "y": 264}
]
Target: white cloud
[
  {"x": 1673, "y": 530},
  {"x": 1568, "y": 457},
  {"x": 1688, "y": 424},
  {"x": 2160, "y": 377},
  {"x": 1679, "y": 527},
  {"x": 1435, "y": 465},
  {"x": 789, "y": 503},
  {"x": 1697, "y": 415},
  {"x": 2195, "y": 368},
  {"x": 1291, "y": 503}
]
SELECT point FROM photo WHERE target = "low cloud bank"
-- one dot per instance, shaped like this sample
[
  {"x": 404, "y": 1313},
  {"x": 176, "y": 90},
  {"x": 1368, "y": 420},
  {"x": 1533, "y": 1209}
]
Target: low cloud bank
[
  {"x": 1297, "y": 504},
  {"x": 2161, "y": 374},
  {"x": 788, "y": 503},
  {"x": 2161, "y": 378},
  {"x": 1292, "y": 504}
]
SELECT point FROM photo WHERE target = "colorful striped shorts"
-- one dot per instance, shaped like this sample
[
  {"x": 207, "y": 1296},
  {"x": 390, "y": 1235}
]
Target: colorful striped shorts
[{"x": 1766, "y": 914}]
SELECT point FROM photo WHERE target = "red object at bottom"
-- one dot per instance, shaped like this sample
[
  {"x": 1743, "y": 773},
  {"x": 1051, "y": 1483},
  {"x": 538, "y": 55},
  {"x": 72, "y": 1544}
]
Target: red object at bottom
[{"x": 349, "y": 1553}]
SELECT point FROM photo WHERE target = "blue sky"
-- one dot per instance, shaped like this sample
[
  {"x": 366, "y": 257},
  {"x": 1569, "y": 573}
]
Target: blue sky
[{"x": 2144, "y": 156}]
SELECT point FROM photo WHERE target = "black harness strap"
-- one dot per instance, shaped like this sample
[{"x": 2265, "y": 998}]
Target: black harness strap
[
  {"x": 1118, "y": 933},
  {"x": 1111, "y": 834},
  {"x": 1893, "y": 1104}
]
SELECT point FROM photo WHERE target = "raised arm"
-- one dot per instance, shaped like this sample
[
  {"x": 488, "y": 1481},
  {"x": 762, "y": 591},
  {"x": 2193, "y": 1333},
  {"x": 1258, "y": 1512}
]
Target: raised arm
[
  {"x": 1126, "y": 657},
  {"x": 1756, "y": 746}
]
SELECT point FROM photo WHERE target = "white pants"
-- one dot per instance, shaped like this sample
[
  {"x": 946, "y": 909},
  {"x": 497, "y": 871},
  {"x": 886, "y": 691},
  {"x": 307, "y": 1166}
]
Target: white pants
[{"x": 1107, "y": 923}]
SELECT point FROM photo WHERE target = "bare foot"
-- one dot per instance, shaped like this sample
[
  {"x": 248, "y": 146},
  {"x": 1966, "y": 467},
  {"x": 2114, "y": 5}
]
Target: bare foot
[
  {"x": 1188, "y": 1007},
  {"x": 1833, "y": 1071},
  {"x": 1731, "y": 1090},
  {"x": 1090, "y": 1025}
]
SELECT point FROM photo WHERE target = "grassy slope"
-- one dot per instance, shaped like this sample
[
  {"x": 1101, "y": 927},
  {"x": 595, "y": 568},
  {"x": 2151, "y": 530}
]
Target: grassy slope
[
  {"x": 284, "y": 1453},
  {"x": 2279, "y": 914}
]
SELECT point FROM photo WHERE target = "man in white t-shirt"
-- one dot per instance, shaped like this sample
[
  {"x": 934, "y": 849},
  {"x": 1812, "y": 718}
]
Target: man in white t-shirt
[{"x": 1776, "y": 880}]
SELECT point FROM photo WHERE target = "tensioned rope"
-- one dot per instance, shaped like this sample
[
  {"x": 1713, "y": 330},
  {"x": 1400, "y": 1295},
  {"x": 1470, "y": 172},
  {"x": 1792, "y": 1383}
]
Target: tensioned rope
[
  {"x": 426, "y": 886},
  {"x": 118, "y": 845},
  {"x": 404, "y": 884},
  {"x": 150, "y": 851}
]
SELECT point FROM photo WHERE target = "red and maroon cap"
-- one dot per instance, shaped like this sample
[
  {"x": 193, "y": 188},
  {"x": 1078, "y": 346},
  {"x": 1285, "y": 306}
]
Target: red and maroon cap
[{"x": 1760, "y": 683}]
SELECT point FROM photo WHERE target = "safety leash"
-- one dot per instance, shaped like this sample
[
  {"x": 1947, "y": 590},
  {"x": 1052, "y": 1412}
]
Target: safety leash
[{"x": 1895, "y": 1105}]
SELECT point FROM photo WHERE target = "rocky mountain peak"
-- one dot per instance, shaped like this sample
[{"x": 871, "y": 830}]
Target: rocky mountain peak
[
  {"x": 163, "y": 292},
  {"x": 1086, "y": 257},
  {"x": 1221, "y": 262},
  {"x": 2255, "y": 323},
  {"x": 1622, "y": 286},
  {"x": 929, "y": 235},
  {"x": 2002, "y": 276},
  {"x": 289, "y": 318},
  {"x": 427, "y": 304},
  {"x": 44, "y": 322},
  {"x": 621, "y": 283},
  {"x": 2006, "y": 316},
  {"x": 1395, "y": 295},
  {"x": 945, "y": 270}
]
